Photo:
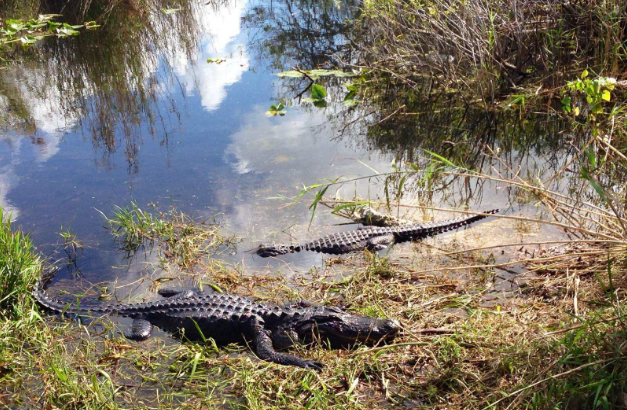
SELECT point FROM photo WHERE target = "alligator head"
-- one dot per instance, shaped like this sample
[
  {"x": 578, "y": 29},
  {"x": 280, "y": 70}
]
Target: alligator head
[
  {"x": 267, "y": 250},
  {"x": 342, "y": 329}
]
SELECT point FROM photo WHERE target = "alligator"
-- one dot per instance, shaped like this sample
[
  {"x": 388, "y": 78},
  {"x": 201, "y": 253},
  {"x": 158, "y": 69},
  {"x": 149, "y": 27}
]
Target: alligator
[
  {"x": 372, "y": 237},
  {"x": 228, "y": 318}
]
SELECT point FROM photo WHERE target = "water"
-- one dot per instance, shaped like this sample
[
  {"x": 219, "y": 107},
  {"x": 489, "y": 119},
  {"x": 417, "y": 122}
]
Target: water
[{"x": 138, "y": 114}]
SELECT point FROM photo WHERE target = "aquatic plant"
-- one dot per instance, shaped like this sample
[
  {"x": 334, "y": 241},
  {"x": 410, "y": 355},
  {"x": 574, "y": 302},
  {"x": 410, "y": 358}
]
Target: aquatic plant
[
  {"x": 28, "y": 32},
  {"x": 181, "y": 239}
]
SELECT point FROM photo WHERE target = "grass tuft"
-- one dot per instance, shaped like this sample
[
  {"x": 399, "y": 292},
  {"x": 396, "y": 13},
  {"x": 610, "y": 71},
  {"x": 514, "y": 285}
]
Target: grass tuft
[
  {"x": 20, "y": 267},
  {"x": 182, "y": 240}
]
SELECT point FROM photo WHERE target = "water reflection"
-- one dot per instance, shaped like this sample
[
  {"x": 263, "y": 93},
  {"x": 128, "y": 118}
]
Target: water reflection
[
  {"x": 276, "y": 157},
  {"x": 221, "y": 42},
  {"x": 106, "y": 83},
  {"x": 133, "y": 111},
  {"x": 306, "y": 33}
]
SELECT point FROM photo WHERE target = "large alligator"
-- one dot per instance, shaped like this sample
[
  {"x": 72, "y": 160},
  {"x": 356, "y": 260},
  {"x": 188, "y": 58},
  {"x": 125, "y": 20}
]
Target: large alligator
[
  {"x": 235, "y": 319},
  {"x": 371, "y": 238}
]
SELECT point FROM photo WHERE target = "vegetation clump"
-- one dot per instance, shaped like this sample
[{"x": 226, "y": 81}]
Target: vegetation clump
[
  {"x": 492, "y": 49},
  {"x": 20, "y": 268},
  {"x": 181, "y": 239}
]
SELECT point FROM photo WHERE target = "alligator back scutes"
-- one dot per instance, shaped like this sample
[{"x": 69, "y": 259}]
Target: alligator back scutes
[
  {"x": 215, "y": 305},
  {"x": 356, "y": 240}
]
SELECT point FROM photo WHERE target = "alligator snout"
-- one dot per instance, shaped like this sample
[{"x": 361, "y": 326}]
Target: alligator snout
[{"x": 385, "y": 329}]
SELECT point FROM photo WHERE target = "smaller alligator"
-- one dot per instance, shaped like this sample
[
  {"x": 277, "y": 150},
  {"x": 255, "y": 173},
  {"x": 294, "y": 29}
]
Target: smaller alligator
[
  {"x": 235, "y": 319},
  {"x": 371, "y": 238}
]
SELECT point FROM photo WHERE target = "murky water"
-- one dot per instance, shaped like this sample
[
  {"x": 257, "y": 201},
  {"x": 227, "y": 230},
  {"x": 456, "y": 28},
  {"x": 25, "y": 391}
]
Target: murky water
[{"x": 136, "y": 113}]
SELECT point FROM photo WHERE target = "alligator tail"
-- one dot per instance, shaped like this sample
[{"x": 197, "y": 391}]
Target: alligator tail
[
  {"x": 415, "y": 232},
  {"x": 46, "y": 301}
]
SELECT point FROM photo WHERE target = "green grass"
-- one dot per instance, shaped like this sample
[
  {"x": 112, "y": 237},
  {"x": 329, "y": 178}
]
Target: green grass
[{"x": 20, "y": 267}]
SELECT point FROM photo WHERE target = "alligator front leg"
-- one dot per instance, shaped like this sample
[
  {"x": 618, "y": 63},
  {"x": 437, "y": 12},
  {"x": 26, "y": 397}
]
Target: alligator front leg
[
  {"x": 379, "y": 243},
  {"x": 262, "y": 343},
  {"x": 140, "y": 330},
  {"x": 283, "y": 338}
]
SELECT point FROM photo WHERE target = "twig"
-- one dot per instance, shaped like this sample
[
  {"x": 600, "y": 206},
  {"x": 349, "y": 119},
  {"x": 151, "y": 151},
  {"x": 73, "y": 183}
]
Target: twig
[{"x": 568, "y": 329}]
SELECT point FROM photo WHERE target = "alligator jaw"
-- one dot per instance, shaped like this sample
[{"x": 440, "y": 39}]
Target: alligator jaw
[{"x": 346, "y": 330}]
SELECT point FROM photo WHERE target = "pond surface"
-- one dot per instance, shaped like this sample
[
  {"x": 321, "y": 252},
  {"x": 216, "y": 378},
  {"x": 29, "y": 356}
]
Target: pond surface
[{"x": 134, "y": 112}]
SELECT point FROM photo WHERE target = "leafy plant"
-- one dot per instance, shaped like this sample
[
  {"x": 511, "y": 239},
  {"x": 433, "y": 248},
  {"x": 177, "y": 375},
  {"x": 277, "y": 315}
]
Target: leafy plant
[
  {"x": 20, "y": 266},
  {"x": 71, "y": 244},
  {"x": 29, "y": 32},
  {"x": 597, "y": 91},
  {"x": 179, "y": 238}
]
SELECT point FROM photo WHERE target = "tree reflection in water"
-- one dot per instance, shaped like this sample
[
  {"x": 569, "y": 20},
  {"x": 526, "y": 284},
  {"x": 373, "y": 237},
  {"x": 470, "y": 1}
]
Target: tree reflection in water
[{"x": 107, "y": 82}]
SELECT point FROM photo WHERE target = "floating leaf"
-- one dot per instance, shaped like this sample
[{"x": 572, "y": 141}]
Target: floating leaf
[
  {"x": 276, "y": 110},
  {"x": 314, "y": 74},
  {"x": 15, "y": 25},
  {"x": 53, "y": 25},
  {"x": 324, "y": 73},
  {"x": 26, "y": 40},
  {"x": 217, "y": 60},
  {"x": 291, "y": 74},
  {"x": 171, "y": 11}
]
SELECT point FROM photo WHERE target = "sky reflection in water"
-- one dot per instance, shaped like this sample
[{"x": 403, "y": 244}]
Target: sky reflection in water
[
  {"x": 206, "y": 147},
  {"x": 216, "y": 152}
]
